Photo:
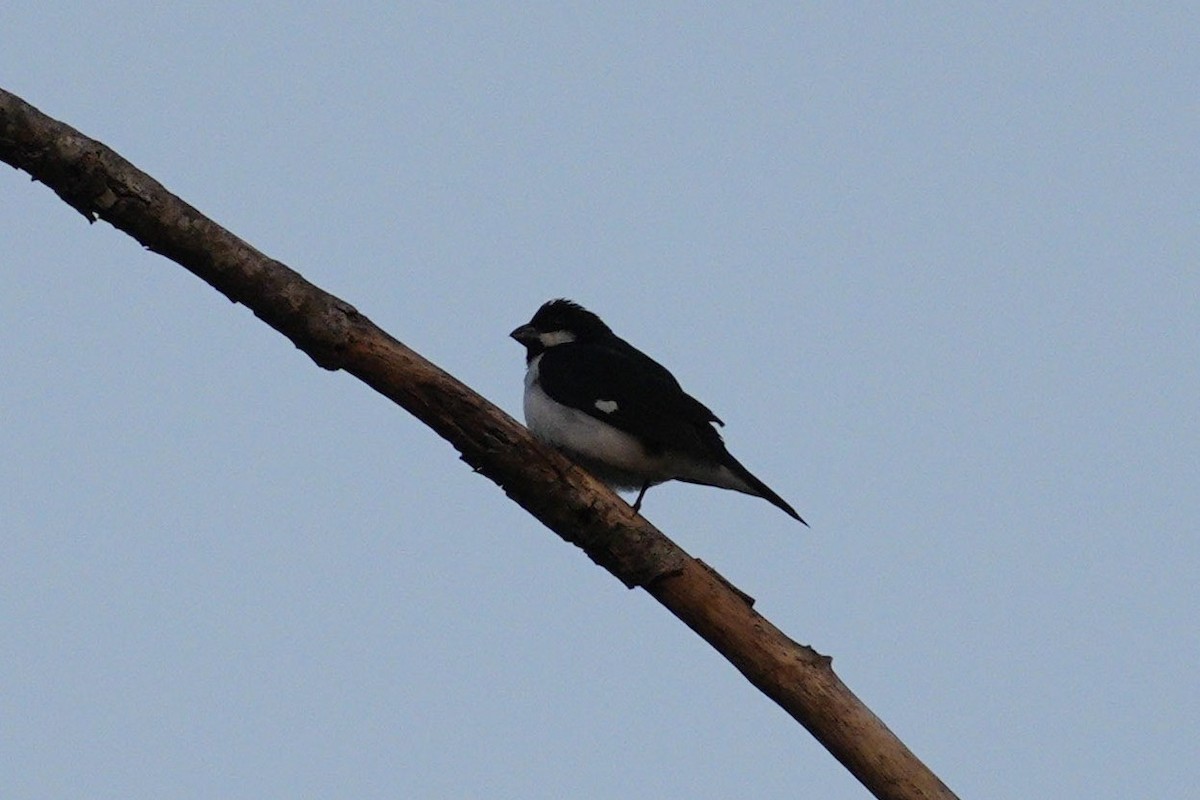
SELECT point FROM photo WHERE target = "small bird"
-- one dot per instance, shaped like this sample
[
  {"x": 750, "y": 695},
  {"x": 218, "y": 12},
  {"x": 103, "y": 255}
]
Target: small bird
[{"x": 619, "y": 413}]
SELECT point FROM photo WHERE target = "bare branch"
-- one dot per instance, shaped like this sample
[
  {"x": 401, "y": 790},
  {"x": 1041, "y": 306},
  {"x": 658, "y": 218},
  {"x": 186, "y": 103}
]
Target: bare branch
[{"x": 100, "y": 184}]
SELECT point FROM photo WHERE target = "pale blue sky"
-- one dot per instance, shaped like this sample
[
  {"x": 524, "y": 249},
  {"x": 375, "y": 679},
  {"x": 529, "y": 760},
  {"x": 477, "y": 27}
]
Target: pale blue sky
[{"x": 935, "y": 266}]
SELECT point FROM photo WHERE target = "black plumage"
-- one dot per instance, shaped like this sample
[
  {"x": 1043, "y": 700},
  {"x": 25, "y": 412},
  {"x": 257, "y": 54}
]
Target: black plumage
[{"x": 579, "y": 370}]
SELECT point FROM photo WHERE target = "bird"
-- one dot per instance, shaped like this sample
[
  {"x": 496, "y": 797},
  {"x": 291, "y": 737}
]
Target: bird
[{"x": 619, "y": 413}]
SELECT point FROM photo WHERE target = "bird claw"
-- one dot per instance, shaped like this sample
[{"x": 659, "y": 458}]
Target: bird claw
[{"x": 637, "y": 504}]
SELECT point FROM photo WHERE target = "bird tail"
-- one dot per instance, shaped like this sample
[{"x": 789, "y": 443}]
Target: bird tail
[{"x": 756, "y": 487}]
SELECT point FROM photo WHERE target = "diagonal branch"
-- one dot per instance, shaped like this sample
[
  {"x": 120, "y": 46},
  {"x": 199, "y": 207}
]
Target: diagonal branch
[{"x": 100, "y": 184}]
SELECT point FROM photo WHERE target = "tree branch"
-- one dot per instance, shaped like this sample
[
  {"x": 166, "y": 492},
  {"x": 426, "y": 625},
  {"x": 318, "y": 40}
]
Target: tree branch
[{"x": 100, "y": 184}]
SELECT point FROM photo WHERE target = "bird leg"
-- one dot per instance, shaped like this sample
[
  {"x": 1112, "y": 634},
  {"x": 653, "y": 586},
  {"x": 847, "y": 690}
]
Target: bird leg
[{"x": 637, "y": 504}]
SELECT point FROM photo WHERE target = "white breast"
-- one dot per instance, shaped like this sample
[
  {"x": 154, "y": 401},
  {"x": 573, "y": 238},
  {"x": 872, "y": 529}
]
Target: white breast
[{"x": 612, "y": 455}]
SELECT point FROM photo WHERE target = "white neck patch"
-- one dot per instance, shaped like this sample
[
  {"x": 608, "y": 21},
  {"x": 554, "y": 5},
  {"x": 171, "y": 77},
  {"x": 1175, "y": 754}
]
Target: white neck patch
[{"x": 555, "y": 337}]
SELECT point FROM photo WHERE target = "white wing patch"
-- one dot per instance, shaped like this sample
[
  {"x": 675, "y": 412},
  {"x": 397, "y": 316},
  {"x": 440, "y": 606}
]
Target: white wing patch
[{"x": 607, "y": 406}]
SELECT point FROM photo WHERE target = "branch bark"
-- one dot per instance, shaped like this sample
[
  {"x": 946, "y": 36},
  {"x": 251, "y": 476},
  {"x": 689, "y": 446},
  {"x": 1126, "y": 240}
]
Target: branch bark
[{"x": 100, "y": 184}]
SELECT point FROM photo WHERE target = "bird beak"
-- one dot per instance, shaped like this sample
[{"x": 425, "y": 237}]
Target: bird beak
[{"x": 525, "y": 333}]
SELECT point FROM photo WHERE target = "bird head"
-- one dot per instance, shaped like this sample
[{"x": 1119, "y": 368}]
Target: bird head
[{"x": 559, "y": 322}]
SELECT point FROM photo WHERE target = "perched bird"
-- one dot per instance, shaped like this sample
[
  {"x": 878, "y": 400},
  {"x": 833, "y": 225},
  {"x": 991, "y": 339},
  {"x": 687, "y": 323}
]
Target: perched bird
[{"x": 619, "y": 413}]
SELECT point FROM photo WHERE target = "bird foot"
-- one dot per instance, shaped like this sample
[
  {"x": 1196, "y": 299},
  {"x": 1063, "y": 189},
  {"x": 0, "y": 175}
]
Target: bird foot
[{"x": 637, "y": 504}]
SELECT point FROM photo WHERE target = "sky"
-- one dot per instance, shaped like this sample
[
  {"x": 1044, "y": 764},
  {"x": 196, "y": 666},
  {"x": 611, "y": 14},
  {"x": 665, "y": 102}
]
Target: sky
[{"x": 934, "y": 265}]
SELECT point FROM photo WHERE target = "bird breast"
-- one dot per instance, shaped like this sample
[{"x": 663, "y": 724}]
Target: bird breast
[{"x": 612, "y": 455}]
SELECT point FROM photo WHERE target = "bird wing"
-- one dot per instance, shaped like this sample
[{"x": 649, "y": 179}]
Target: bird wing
[{"x": 622, "y": 386}]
